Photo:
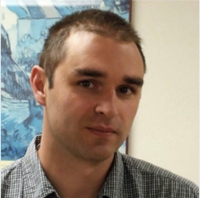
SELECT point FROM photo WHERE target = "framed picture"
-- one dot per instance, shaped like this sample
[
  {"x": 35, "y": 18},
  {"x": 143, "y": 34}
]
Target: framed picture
[{"x": 24, "y": 27}]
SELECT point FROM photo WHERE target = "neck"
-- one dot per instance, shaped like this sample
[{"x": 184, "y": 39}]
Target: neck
[{"x": 71, "y": 176}]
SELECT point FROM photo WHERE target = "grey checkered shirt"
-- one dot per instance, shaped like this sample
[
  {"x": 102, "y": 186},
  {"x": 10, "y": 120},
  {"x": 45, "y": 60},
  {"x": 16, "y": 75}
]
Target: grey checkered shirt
[{"x": 128, "y": 178}]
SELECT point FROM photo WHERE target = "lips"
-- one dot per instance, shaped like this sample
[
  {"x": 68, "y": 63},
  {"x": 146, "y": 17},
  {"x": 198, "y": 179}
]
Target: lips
[{"x": 101, "y": 130}]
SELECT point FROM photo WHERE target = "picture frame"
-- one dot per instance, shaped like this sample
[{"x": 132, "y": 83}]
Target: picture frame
[{"x": 24, "y": 28}]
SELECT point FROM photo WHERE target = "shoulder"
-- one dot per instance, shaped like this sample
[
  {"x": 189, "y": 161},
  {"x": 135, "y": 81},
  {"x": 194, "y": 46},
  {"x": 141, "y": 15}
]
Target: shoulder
[
  {"x": 157, "y": 180},
  {"x": 11, "y": 179}
]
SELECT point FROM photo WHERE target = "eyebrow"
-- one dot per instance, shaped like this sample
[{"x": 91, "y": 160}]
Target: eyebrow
[
  {"x": 96, "y": 73},
  {"x": 133, "y": 80},
  {"x": 90, "y": 72}
]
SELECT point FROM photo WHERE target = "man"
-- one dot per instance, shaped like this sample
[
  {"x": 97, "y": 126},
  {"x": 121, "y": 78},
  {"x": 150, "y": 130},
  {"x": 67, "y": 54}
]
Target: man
[{"x": 89, "y": 81}]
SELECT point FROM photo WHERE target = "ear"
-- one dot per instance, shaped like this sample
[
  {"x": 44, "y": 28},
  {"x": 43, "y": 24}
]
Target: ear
[{"x": 37, "y": 80}]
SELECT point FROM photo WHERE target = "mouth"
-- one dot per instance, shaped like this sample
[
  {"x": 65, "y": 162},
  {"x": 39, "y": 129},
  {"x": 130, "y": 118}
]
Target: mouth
[{"x": 102, "y": 131}]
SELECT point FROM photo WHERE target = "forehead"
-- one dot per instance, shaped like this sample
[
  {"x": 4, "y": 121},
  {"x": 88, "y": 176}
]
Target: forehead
[{"x": 86, "y": 49}]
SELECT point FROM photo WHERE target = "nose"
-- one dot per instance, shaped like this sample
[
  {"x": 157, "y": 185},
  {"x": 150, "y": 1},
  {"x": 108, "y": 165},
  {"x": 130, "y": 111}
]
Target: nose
[{"x": 107, "y": 105}]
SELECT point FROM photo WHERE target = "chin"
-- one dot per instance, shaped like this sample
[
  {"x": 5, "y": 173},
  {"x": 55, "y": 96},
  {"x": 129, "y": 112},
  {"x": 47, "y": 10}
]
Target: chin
[{"x": 101, "y": 155}]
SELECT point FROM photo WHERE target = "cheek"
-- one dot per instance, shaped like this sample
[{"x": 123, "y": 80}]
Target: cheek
[
  {"x": 78, "y": 105},
  {"x": 130, "y": 111}
]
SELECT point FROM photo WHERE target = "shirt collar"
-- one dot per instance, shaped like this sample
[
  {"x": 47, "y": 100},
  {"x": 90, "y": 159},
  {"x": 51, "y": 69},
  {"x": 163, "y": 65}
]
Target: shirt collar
[
  {"x": 35, "y": 180},
  {"x": 113, "y": 186}
]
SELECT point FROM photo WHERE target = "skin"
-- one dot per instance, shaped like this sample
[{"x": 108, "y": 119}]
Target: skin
[{"x": 89, "y": 111}]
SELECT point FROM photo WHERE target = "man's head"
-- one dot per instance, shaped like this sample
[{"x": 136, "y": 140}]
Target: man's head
[
  {"x": 104, "y": 23},
  {"x": 97, "y": 83}
]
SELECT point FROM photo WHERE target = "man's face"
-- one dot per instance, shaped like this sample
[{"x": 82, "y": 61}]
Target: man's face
[{"x": 95, "y": 96}]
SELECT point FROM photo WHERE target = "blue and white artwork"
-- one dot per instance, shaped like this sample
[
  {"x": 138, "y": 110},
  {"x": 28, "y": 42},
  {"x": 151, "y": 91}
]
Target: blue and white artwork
[{"x": 24, "y": 27}]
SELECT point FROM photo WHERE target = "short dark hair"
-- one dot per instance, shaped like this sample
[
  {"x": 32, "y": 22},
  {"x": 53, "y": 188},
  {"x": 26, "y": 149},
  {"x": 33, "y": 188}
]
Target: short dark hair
[{"x": 104, "y": 23}]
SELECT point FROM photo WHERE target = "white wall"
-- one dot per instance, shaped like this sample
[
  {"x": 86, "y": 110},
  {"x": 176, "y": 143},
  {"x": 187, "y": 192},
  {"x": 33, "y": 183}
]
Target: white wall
[{"x": 165, "y": 131}]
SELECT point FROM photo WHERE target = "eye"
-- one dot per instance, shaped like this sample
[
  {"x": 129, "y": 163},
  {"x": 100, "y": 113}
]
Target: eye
[
  {"x": 86, "y": 84},
  {"x": 126, "y": 90}
]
